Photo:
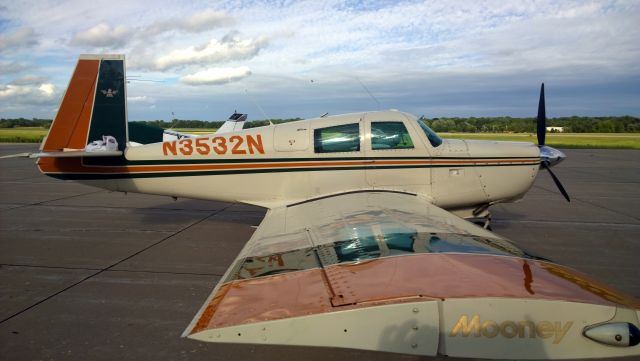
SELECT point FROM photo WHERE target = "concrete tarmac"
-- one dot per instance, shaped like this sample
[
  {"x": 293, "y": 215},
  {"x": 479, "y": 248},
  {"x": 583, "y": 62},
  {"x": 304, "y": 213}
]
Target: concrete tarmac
[{"x": 91, "y": 275}]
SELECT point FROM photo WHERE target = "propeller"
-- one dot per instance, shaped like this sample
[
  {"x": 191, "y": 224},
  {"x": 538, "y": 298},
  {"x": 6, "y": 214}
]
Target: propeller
[
  {"x": 556, "y": 181},
  {"x": 541, "y": 121},
  {"x": 548, "y": 156}
]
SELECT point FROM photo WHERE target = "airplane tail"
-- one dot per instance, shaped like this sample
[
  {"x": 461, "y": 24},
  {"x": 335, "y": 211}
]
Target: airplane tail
[
  {"x": 93, "y": 108},
  {"x": 234, "y": 123}
]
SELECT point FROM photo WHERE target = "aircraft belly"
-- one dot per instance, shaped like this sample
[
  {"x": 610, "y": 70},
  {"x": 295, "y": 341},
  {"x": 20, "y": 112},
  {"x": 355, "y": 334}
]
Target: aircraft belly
[{"x": 264, "y": 189}]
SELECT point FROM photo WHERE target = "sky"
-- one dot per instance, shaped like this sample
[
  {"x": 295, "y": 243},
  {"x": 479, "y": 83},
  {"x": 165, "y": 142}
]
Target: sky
[{"x": 282, "y": 59}]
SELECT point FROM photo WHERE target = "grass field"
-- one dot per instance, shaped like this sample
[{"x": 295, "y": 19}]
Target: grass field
[
  {"x": 22, "y": 135},
  {"x": 36, "y": 134},
  {"x": 564, "y": 140}
]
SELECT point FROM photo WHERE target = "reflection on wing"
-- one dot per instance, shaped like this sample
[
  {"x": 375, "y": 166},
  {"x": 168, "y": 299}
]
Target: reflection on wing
[
  {"x": 368, "y": 242},
  {"x": 377, "y": 259}
]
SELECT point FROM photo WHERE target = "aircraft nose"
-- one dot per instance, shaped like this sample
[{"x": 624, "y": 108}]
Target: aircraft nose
[{"x": 551, "y": 156}]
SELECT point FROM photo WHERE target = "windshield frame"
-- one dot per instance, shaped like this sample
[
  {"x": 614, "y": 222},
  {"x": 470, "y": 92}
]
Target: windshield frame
[{"x": 433, "y": 138}]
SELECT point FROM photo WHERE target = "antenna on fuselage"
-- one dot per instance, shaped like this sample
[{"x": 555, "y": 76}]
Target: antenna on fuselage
[
  {"x": 174, "y": 120},
  {"x": 370, "y": 94},
  {"x": 246, "y": 91}
]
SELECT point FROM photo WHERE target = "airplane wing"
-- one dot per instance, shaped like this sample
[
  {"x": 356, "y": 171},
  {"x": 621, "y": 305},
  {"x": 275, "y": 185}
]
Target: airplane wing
[{"x": 391, "y": 272}]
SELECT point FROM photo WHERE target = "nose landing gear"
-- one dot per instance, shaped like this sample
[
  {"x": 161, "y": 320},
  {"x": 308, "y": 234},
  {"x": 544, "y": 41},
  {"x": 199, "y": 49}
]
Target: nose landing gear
[{"x": 482, "y": 217}]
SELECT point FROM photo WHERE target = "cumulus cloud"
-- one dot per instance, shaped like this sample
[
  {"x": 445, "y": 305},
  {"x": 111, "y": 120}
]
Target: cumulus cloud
[
  {"x": 10, "y": 67},
  {"x": 464, "y": 44},
  {"x": 45, "y": 93},
  {"x": 215, "y": 76},
  {"x": 29, "y": 80},
  {"x": 47, "y": 89},
  {"x": 230, "y": 48},
  {"x": 103, "y": 35},
  {"x": 141, "y": 99},
  {"x": 21, "y": 38},
  {"x": 197, "y": 23}
]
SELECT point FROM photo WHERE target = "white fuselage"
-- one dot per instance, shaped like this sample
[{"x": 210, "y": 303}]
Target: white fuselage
[{"x": 277, "y": 165}]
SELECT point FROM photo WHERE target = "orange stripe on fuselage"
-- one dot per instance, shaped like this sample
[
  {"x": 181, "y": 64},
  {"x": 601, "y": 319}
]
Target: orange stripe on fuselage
[
  {"x": 73, "y": 165},
  {"x": 71, "y": 125}
]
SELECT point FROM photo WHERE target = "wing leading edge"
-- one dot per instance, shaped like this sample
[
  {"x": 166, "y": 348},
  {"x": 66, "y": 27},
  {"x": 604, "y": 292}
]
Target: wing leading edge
[{"x": 392, "y": 272}]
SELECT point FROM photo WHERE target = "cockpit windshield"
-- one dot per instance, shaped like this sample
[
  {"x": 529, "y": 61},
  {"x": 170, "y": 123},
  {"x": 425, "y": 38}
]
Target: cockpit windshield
[{"x": 434, "y": 139}]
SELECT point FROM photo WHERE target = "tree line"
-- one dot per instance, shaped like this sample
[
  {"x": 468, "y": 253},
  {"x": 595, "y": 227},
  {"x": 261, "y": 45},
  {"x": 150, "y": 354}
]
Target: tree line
[
  {"x": 182, "y": 123},
  {"x": 159, "y": 123},
  {"x": 22, "y": 122},
  {"x": 575, "y": 124}
]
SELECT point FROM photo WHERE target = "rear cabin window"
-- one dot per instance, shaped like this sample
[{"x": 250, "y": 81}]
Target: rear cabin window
[
  {"x": 341, "y": 138},
  {"x": 390, "y": 135}
]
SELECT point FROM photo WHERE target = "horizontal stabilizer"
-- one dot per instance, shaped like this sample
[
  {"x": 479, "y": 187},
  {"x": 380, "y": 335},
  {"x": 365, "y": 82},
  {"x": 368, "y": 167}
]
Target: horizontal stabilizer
[{"x": 18, "y": 155}]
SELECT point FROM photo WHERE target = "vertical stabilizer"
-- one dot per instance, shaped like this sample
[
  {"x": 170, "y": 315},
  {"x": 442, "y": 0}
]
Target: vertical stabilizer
[
  {"x": 93, "y": 106},
  {"x": 233, "y": 124}
]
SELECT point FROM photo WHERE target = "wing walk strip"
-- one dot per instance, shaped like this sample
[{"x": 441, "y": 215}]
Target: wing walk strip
[{"x": 173, "y": 168}]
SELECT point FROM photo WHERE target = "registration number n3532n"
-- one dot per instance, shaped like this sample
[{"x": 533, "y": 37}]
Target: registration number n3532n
[{"x": 235, "y": 144}]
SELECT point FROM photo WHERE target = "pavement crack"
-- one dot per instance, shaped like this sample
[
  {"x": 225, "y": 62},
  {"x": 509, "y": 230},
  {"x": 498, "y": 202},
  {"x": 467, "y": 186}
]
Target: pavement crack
[
  {"x": 166, "y": 272},
  {"x": 166, "y": 238},
  {"x": 50, "y": 297},
  {"x": 52, "y": 200},
  {"x": 123, "y": 270},
  {"x": 109, "y": 268},
  {"x": 48, "y": 267},
  {"x": 574, "y": 198},
  {"x": 609, "y": 209}
]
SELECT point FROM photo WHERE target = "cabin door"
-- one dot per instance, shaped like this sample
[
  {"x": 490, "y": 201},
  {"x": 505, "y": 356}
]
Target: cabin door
[{"x": 395, "y": 154}]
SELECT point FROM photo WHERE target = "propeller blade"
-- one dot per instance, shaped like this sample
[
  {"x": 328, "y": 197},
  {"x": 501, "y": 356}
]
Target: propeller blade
[
  {"x": 541, "y": 121},
  {"x": 556, "y": 181}
]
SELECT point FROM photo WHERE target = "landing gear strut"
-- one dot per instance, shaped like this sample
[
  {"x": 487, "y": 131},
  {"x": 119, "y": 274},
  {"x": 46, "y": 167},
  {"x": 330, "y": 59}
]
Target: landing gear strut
[
  {"x": 482, "y": 217},
  {"x": 484, "y": 222}
]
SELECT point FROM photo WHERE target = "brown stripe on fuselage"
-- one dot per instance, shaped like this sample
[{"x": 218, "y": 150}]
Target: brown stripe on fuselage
[
  {"x": 71, "y": 125},
  {"x": 401, "y": 279},
  {"x": 75, "y": 166}
]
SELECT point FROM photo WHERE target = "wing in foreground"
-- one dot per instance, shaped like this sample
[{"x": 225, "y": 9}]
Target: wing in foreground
[{"x": 391, "y": 272}]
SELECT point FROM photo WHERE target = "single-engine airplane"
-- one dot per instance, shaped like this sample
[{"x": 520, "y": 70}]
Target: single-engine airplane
[{"x": 364, "y": 244}]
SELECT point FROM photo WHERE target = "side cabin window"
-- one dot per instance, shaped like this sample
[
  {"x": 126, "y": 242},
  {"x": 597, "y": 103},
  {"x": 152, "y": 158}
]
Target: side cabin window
[
  {"x": 340, "y": 138},
  {"x": 390, "y": 135}
]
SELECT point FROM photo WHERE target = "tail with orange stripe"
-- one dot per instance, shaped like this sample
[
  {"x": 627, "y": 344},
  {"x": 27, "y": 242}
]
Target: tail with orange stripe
[{"x": 93, "y": 107}]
